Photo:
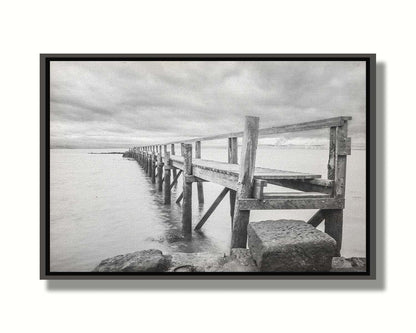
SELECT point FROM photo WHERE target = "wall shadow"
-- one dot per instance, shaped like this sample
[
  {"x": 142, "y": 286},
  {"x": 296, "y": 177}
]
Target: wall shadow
[{"x": 377, "y": 215}]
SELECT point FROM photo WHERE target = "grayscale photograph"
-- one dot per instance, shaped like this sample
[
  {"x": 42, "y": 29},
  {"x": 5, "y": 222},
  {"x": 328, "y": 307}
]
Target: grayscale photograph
[{"x": 207, "y": 166}]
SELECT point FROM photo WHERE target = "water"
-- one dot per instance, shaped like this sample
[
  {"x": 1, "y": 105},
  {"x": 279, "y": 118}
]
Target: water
[{"x": 103, "y": 205}]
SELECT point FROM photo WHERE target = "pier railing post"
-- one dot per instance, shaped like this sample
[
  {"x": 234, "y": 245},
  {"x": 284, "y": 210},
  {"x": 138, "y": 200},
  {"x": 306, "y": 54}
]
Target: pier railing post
[
  {"x": 187, "y": 191},
  {"x": 245, "y": 181},
  {"x": 199, "y": 185},
  {"x": 339, "y": 148},
  {"x": 166, "y": 183},
  {"x": 232, "y": 159}
]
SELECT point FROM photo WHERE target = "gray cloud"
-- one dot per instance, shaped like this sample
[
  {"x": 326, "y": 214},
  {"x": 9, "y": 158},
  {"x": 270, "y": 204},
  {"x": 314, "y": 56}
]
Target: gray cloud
[{"x": 120, "y": 104}]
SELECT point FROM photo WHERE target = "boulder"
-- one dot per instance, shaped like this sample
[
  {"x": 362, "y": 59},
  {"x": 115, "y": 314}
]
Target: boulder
[
  {"x": 290, "y": 246},
  {"x": 354, "y": 264},
  {"x": 141, "y": 261}
]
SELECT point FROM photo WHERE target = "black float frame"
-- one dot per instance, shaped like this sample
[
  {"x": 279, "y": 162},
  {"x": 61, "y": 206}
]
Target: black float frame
[{"x": 45, "y": 60}]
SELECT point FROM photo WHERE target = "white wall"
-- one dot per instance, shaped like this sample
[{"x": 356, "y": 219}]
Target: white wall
[{"x": 29, "y": 28}]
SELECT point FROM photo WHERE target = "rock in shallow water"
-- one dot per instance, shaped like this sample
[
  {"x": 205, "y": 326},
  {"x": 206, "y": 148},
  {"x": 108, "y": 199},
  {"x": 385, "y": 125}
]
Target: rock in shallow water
[{"x": 141, "y": 261}]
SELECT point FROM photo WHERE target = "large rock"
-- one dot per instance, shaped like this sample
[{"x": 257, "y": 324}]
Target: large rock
[
  {"x": 290, "y": 246},
  {"x": 141, "y": 261}
]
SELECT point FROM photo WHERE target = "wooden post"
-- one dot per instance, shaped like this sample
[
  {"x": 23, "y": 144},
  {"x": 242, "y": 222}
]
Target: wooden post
[
  {"x": 149, "y": 164},
  {"x": 337, "y": 167},
  {"x": 166, "y": 187},
  {"x": 159, "y": 171},
  {"x": 152, "y": 167},
  {"x": 199, "y": 185},
  {"x": 245, "y": 181},
  {"x": 187, "y": 191},
  {"x": 172, "y": 152},
  {"x": 233, "y": 159}
]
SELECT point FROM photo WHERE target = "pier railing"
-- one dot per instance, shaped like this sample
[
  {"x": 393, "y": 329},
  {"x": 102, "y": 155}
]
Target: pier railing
[{"x": 245, "y": 182}]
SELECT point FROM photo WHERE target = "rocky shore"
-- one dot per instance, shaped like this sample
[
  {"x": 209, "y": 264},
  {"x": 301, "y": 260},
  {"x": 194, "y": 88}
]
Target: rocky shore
[{"x": 240, "y": 260}]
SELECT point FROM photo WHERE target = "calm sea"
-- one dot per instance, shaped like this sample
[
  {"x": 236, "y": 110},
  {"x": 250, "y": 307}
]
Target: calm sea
[{"x": 105, "y": 205}]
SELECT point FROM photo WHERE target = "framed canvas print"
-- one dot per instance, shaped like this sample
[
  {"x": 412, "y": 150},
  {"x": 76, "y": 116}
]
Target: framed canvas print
[{"x": 233, "y": 166}]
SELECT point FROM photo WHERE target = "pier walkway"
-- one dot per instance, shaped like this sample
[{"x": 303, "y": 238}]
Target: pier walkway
[{"x": 245, "y": 182}]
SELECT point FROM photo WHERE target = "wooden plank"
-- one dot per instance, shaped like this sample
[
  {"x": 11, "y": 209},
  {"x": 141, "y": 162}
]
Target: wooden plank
[
  {"x": 175, "y": 179},
  {"x": 187, "y": 192},
  {"x": 306, "y": 126},
  {"x": 310, "y": 203},
  {"x": 200, "y": 187},
  {"x": 232, "y": 159},
  {"x": 317, "y": 218},
  {"x": 245, "y": 181},
  {"x": 167, "y": 186},
  {"x": 234, "y": 170},
  {"x": 294, "y": 195},
  {"x": 306, "y": 185},
  {"x": 211, "y": 209},
  {"x": 225, "y": 180}
]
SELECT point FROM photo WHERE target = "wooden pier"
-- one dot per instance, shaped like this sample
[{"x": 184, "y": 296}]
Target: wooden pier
[{"x": 244, "y": 182}]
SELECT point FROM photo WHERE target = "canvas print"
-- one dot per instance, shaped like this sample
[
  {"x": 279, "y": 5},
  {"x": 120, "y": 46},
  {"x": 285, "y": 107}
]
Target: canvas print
[{"x": 198, "y": 166}]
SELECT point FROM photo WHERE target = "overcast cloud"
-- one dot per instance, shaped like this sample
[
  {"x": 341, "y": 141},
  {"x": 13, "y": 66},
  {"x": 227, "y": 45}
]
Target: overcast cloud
[{"x": 121, "y": 104}]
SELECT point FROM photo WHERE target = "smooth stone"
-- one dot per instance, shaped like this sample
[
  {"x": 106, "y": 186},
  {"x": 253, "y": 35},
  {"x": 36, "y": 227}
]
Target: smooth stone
[{"x": 290, "y": 246}]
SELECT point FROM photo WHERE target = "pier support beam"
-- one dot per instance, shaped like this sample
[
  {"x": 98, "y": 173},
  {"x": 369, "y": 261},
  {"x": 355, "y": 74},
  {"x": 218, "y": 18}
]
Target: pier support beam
[
  {"x": 153, "y": 167},
  {"x": 212, "y": 208},
  {"x": 187, "y": 191},
  {"x": 166, "y": 184},
  {"x": 245, "y": 181},
  {"x": 159, "y": 172},
  {"x": 199, "y": 185},
  {"x": 232, "y": 159},
  {"x": 339, "y": 148},
  {"x": 172, "y": 152}
]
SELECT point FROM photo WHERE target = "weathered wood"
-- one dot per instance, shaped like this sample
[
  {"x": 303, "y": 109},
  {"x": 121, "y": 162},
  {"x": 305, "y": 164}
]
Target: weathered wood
[
  {"x": 153, "y": 167},
  {"x": 333, "y": 226},
  {"x": 317, "y": 218},
  {"x": 159, "y": 172},
  {"x": 172, "y": 152},
  {"x": 149, "y": 164},
  {"x": 200, "y": 186},
  {"x": 245, "y": 181},
  {"x": 187, "y": 192},
  {"x": 306, "y": 185},
  {"x": 179, "y": 199},
  {"x": 258, "y": 190},
  {"x": 175, "y": 179},
  {"x": 295, "y": 195},
  {"x": 212, "y": 208},
  {"x": 232, "y": 159},
  {"x": 334, "y": 218},
  {"x": 332, "y": 153},
  {"x": 307, "y": 126},
  {"x": 292, "y": 203},
  {"x": 167, "y": 186}
]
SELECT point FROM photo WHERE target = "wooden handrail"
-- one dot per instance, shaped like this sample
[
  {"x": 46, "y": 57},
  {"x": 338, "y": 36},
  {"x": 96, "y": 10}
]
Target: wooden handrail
[{"x": 307, "y": 126}]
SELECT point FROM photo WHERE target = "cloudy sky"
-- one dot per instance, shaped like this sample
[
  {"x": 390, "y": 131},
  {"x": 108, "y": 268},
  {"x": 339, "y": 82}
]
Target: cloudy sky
[{"x": 121, "y": 104}]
